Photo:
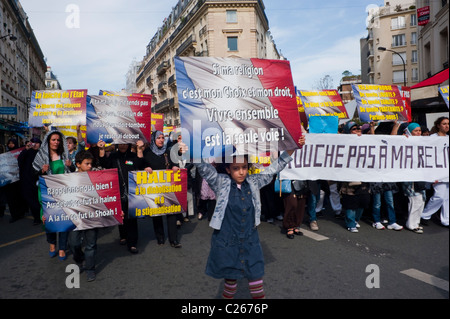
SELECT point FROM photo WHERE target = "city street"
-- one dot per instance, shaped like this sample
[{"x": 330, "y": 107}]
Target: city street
[{"x": 331, "y": 263}]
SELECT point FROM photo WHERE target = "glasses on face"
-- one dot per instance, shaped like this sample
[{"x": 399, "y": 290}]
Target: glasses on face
[{"x": 355, "y": 128}]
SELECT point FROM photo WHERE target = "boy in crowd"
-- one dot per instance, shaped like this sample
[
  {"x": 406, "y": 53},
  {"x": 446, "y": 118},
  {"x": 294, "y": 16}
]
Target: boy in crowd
[{"x": 83, "y": 162}]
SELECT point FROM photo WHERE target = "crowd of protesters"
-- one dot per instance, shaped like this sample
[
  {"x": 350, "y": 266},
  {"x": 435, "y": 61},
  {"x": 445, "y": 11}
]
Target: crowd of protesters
[{"x": 385, "y": 204}]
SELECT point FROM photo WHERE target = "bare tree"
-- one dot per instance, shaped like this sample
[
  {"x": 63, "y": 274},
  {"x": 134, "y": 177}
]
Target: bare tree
[{"x": 325, "y": 83}]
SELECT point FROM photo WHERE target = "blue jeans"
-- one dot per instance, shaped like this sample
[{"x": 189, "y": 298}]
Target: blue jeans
[
  {"x": 352, "y": 216},
  {"x": 90, "y": 250},
  {"x": 376, "y": 207},
  {"x": 312, "y": 203}
]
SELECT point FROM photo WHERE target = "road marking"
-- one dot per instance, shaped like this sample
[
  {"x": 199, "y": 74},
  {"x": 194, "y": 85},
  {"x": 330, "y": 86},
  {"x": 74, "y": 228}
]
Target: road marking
[
  {"x": 22, "y": 239},
  {"x": 429, "y": 279},
  {"x": 313, "y": 235}
]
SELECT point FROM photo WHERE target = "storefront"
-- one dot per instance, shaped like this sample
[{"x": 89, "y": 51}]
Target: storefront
[{"x": 426, "y": 101}]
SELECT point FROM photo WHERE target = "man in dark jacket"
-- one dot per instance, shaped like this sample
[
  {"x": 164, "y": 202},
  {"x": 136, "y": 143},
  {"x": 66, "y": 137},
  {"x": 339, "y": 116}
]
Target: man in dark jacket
[{"x": 28, "y": 178}]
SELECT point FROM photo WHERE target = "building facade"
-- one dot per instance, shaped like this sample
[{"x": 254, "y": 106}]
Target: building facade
[
  {"x": 433, "y": 44},
  {"x": 201, "y": 28},
  {"x": 22, "y": 69},
  {"x": 51, "y": 81},
  {"x": 394, "y": 27}
]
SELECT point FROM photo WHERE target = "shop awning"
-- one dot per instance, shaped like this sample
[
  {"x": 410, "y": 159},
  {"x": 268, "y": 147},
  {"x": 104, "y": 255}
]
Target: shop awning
[{"x": 434, "y": 80}]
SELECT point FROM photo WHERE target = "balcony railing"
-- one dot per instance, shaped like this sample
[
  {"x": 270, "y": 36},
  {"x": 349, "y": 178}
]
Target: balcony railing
[
  {"x": 188, "y": 44},
  {"x": 162, "y": 67}
]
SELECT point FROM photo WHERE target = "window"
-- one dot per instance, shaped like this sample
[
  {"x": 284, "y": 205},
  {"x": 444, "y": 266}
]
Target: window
[
  {"x": 396, "y": 60},
  {"x": 232, "y": 43},
  {"x": 413, "y": 37},
  {"x": 414, "y": 56},
  {"x": 413, "y": 20},
  {"x": 232, "y": 16},
  {"x": 398, "y": 40},
  {"x": 398, "y": 23},
  {"x": 397, "y": 77},
  {"x": 415, "y": 74}
]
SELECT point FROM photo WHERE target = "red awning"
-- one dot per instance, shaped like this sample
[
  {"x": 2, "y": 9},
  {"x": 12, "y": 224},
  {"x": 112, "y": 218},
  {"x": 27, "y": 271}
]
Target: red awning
[{"x": 434, "y": 80}]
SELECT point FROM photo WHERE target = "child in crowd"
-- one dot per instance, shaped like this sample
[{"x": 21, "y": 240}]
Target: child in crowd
[
  {"x": 235, "y": 248},
  {"x": 83, "y": 162}
]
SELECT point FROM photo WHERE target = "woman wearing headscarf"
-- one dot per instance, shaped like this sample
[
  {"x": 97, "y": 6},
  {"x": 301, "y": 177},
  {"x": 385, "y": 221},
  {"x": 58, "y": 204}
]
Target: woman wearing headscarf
[
  {"x": 13, "y": 192},
  {"x": 415, "y": 191},
  {"x": 157, "y": 157},
  {"x": 53, "y": 158},
  {"x": 125, "y": 161}
]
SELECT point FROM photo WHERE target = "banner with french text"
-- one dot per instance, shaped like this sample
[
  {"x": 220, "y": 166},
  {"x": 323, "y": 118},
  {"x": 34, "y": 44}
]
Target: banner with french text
[
  {"x": 379, "y": 103},
  {"x": 323, "y": 103},
  {"x": 371, "y": 158},
  {"x": 301, "y": 109},
  {"x": 79, "y": 201},
  {"x": 162, "y": 192},
  {"x": 57, "y": 108},
  {"x": 158, "y": 121},
  {"x": 118, "y": 119},
  {"x": 9, "y": 167},
  {"x": 443, "y": 90},
  {"x": 236, "y": 105}
]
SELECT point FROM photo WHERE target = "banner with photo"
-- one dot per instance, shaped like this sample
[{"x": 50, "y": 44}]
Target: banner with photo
[
  {"x": 443, "y": 90},
  {"x": 371, "y": 158},
  {"x": 239, "y": 105},
  {"x": 379, "y": 103},
  {"x": 162, "y": 192},
  {"x": 323, "y": 103},
  {"x": 118, "y": 119},
  {"x": 9, "y": 167},
  {"x": 78, "y": 201},
  {"x": 57, "y": 108}
]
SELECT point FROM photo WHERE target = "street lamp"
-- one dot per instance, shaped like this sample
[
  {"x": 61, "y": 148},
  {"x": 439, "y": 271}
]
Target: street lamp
[{"x": 404, "y": 64}]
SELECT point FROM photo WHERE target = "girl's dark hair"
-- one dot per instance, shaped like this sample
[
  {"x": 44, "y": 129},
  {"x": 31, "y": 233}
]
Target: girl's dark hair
[
  {"x": 60, "y": 149},
  {"x": 228, "y": 162},
  {"x": 73, "y": 139},
  {"x": 438, "y": 121}
]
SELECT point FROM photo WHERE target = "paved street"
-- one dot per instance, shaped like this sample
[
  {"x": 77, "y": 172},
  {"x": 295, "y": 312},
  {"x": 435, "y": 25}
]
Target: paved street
[{"x": 328, "y": 264}]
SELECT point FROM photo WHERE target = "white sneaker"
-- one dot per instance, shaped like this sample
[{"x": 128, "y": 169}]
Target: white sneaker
[
  {"x": 280, "y": 217},
  {"x": 353, "y": 230},
  {"x": 378, "y": 225},
  {"x": 395, "y": 226},
  {"x": 358, "y": 225}
]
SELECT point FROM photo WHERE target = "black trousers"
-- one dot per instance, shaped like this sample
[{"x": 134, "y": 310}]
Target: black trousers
[
  {"x": 158, "y": 226},
  {"x": 129, "y": 231}
]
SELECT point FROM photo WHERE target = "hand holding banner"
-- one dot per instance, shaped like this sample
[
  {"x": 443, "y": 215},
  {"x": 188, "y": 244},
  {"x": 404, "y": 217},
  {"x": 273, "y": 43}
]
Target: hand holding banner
[
  {"x": 78, "y": 201},
  {"x": 57, "y": 108},
  {"x": 162, "y": 192},
  {"x": 118, "y": 119},
  {"x": 247, "y": 104},
  {"x": 379, "y": 103}
]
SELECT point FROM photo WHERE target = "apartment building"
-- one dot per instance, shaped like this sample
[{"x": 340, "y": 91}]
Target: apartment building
[
  {"x": 433, "y": 44},
  {"x": 216, "y": 28},
  {"x": 393, "y": 27},
  {"x": 22, "y": 69}
]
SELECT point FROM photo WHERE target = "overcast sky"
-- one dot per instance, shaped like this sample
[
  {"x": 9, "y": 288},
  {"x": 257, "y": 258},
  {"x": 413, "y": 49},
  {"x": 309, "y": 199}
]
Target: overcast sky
[{"x": 318, "y": 37}]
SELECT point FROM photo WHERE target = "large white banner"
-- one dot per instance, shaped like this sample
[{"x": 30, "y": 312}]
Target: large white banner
[{"x": 370, "y": 158}]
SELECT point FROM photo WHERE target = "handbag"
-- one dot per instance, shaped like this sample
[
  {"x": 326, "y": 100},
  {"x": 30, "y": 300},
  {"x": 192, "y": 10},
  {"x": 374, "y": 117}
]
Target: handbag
[{"x": 283, "y": 186}]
